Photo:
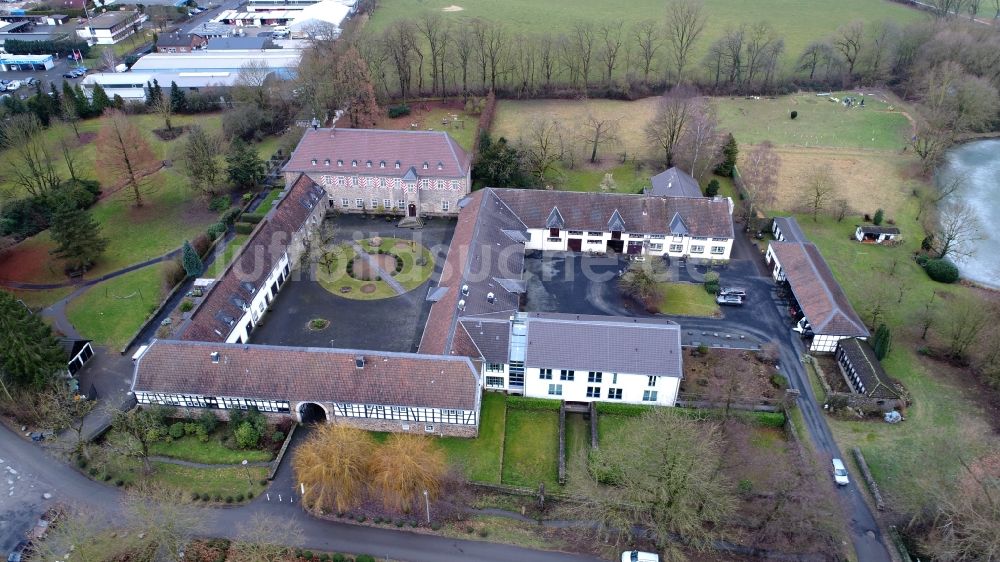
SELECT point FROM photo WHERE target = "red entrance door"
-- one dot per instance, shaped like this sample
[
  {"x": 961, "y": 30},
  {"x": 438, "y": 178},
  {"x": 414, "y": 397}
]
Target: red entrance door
[
  {"x": 575, "y": 244},
  {"x": 412, "y": 210}
]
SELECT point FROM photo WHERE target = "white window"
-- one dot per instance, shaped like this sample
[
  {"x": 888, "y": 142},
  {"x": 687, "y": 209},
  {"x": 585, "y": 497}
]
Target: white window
[
  {"x": 655, "y": 247},
  {"x": 718, "y": 250},
  {"x": 444, "y": 205},
  {"x": 593, "y": 241},
  {"x": 345, "y": 202},
  {"x": 494, "y": 381},
  {"x": 424, "y": 184},
  {"x": 454, "y": 185},
  {"x": 595, "y": 376},
  {"x": 595, "y": 234},
  {"x": 656, "y": 236},
  {"x": 649, "y": 395},
  {"x": 374, "y": 202},
  {"x": 545, "y": 374},
  {"x": 494, "y": 367},
  {"x": 699, "y": 238},
  {"x": 697, "y": 249},
  {"x": 360, "y": 203},
  {"x": 429, "y": 428},
  {"x": 555, "y": 390},
  {"x": 593, "y": 392},
  {"x": 400, "y": 204},
  {"x": 719, "y": 239},
  {"x": 576, "y": 233},
  {"x": 676, "y": 248},
  {"x": 439, "y": 184},
  {"x": 387, "y": 203},
  {"x": 614, "y": 394}
]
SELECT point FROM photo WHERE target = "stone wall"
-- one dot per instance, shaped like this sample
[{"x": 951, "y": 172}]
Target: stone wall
[
  {"x": 852, "y": 400},
  {"x": 416, "y": 428}
]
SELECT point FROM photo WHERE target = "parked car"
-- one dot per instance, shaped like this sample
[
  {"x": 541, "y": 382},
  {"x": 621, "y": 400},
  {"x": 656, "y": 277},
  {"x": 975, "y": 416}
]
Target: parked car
[
  {"x": 14, "y": 84},
  {"x": 80, "y": 71},
  {"x": 840, "y": 473},
  {"x": 803, "y": 327},
  {"x": 639, "y": 556},
  {"x": 19, "y": 552},
  {"x": 4, "y": 82},
  {"x": 69, "y": 75},
  {"x": 31, "y": 81},
  {"x": 729, "y": 300},
  {"x": 742, "y": 293}
]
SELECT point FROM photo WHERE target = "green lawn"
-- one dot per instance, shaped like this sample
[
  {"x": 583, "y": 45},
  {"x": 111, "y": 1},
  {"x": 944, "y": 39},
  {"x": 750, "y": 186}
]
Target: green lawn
[
  {"x": 480, "y": 458},
  {"x": 798, "y": 22},
  {"x": 223, "y": 259},
  {"x": 109, "y": 313},
  {"x": 531, "y": 449},
  {"x": 687, "y": 299},
  {"x": 189, "y": 448},
  {"x": 820, "y": 122},
  {"x": 607, "y": 425},
  {"x": 268, "y": 202},
  {"x": 463, "y": 130},
  {"x": 336, "y": 277},
  {"x": 412, "y": 275},
  {"x": 578, "y": 478},
  {"x": 586, "y": 178},
  {"x": 939, "y": 422}
]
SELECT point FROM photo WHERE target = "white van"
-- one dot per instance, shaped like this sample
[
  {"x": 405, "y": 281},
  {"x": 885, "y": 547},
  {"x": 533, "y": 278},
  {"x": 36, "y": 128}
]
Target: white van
[{"x": 639, "y": 556}]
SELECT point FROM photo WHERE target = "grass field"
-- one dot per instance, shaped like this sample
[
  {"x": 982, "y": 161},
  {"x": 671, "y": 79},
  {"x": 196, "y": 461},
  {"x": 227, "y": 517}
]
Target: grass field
[
  {"x": 940, "y": 421},
  {"x": 480, "y": 458},
  {"x": 531, "y": 449},
  {"x": 109, "y": 313},
  {"x": 450, "y": 117},
  {"x": 799, "y": 22},
  {"x": 687, "y": 299},
  {"x": 412, "y": 275},
  {"x": 189, "y": 448}
]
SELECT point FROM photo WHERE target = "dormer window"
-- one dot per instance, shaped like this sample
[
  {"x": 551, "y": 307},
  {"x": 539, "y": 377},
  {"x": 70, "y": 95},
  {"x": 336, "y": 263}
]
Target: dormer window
[
  {"x": 368, "y": 164},
  {"x": 381, "y": 164},
  {"x": 397, "y": 164},
  {"x": 340, "y": 162},
  {"x": 440, "y": 165},
  {"x": 425, "y": 165},
  {"x": 327, "y": 161},
  {"x": 359, "y": 361},
  {"x": 354, "y": 163},
  {"x": 313, "y": 161}
]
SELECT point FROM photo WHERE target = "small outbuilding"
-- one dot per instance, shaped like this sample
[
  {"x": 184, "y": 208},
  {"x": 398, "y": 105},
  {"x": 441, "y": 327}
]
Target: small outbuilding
[
  {"x": 865, "y": 373},
  {"x": 871, "y": 234},
  {"x": 78, "y": 352}
]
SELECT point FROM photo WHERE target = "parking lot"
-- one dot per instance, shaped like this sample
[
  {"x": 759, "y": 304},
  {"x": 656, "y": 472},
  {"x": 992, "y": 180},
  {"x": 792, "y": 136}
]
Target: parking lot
[{"x": 55, "y": 74}]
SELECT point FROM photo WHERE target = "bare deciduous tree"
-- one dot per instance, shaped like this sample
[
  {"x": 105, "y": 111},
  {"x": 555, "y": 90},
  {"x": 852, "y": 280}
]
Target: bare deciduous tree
[
  {"x": 251, "y": 82},
  {"x": 434, "y": 30},
  {"x": 125, "y": 156},
  {"x": 817, "y": 190},
  {"x": 598, "y": 132},
  {"x": 958, "y": 229},
  {"x": 543, "y": 147},
  {"x": 849, "y": 41},
  {"x": 673, "y": 111},
  {"x": 962, "y": 324},
  {"x": 611, "y": 44},
  {"x": 405, "y": 468},
  {"x": 583, "y": 46},
  {"x": 265, "y": 538},
  {"x": 700, "y": 148},
  {"x": 649, "y": 38},
  {"x": 759, "y": 177},
  {"x": 685, "y": 23},
  {"x": 32, "y": 166},
  {"x": 161, "y": 520}
]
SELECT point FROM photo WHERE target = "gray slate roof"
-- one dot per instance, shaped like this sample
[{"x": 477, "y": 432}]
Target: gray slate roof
[
  {"x": 861, "y": 356},
  {"x": 604, "y": 343},
  {"x": 237, "y": 43},
  {"x": 790, "y": 230},
  {"x": 872, "y": 229},
  {"x": 674, "y": 182}
]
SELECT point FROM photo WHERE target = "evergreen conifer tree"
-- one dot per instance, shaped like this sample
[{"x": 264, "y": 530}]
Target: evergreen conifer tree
[
  {"x": 77, "y": 236},
  {"x": 29, "y": 355},
  {"x": 178, "y": 101},
  {"x": 730, "y": 153},
  {"x": 193, "y": 265},
  {"x": 100, "y": 100}
]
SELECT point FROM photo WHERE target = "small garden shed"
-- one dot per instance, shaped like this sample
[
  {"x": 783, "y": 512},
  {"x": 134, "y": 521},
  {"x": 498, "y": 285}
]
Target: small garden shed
[
  {"x": 865, "y": 373},
  {"x": 871, "y": 234}
]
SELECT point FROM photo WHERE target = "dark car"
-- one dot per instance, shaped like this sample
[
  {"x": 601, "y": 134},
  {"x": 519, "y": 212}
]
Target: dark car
[
  {"x": 19, "y": 552},
  {"x": 69, "y": 75}
]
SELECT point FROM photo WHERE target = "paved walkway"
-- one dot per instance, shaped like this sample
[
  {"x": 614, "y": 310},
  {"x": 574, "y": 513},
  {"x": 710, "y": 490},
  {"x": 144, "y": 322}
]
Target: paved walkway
[
  {"x": 381, "y": 272},
  {"x": 81, "y": 283}
]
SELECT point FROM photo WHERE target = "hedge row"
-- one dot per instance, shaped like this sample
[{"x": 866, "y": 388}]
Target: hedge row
[
  {"x": 524, "y": 403},
  {"x": 616, "y": 409}
]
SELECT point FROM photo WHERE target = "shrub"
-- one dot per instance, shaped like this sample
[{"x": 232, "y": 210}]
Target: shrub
[
  {"x": 229, "y": 499},
  {"x": 413, "y": 523},
  {"x": 702, "y": 350},
  {"x": 208, "y": 421},
  {"x": 173, "y": 273},
  {"x": 243, "y": 228},
  {"x": 177, "y": 430},
  {"x": 746, "y": 486},
  {"x": 398, "y": 522},
  {"x": 324, "y": 557},
  {"x": 398, "y": 111},
  {"x": 364, "y": 558},
  {"x": 81, "y": 462},
  {"x": 249, "y": 495},
  {"x": 216, "y": 230},
  {"x": 247, "y": 197},
  {"x": 712, "y": 282},
  {"x": 219, "y": 203},
  {"x": 941, "y": 270},
  {"x": 879, "y": 215},
  {"x": 186, "y": 305},
  {"x": 524, "y": 403},
  {"x": 307, "y": 555},
  {"x": 195, "y": 496},
  {"x": 230, "y": 216},
  {"x": 92, "y": 471},
  {"x": 794, "y": 114},
  {"x": 360, "y": 518},
  {"x": 253, "y": 218},
  {"x": 922, "y": 259},
  {"x": 712, "y": 189},
  {"x": 217, "y": 497},
  {"x": 435, "y": 526},
  {"x": 119, "y": 482},
  {"x": 263, "y": 481},
  {"x": 614, "y": 409},
  {"x": 106, "y": 477},
  {"x": 278, "y": 436},
  {"x": 247, "y": 436},
  {"x": 239, "y": 497},
  {"x": 483, "y": 533},
  {"x": 779, "y": 381},
  {"x": 768, "y": 419},
  {"x": 338, "y": 557}
]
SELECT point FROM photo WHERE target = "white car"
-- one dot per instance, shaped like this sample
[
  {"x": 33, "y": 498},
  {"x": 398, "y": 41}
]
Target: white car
[
  {"x": 639, "y": 556},
  {"x": 840, "y": 473},
  {"x": 14, "y": 85}
]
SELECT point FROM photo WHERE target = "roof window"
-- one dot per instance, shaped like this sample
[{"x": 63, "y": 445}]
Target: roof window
[
  {"x": 327, "y": 161},
  {"x": 381, "y": 164},
  {"x": 340, "y": 162},
  {"x": 313, "y": 161}
]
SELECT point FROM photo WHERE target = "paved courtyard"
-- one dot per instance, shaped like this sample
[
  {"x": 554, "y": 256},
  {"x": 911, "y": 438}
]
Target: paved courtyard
[
  {"x": 575, "y": 284},
  {"x": 392, "y": 324}
]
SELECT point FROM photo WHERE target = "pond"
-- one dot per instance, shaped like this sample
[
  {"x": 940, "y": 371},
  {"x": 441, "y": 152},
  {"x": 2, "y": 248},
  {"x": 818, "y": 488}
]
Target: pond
[{"x": 979, "y": 162}]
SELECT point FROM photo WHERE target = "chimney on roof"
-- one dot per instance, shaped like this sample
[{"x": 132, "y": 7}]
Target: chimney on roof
[
  {"x": 491, "y": 297},
  {"x": 359, "y": 361},
  {"x": 215, "y": 357},
  {"x": 465, "y": 290},
  {"x": 461, "y": 304}
]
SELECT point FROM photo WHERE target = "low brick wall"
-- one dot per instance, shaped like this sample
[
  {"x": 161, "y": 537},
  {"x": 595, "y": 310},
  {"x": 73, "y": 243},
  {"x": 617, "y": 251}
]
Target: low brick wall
[
  {"x": 396, "y": 426},
  {"x": 593, "y": 425}
]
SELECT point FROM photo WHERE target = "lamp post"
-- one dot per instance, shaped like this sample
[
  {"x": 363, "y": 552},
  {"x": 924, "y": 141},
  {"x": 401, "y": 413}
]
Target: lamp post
[
  {"x": 245, "y": 468},
  {"x": 427, "y": 504}
]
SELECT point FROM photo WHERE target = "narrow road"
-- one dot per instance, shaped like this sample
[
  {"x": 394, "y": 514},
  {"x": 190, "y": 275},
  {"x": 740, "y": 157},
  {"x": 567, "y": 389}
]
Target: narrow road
[{"x": 99, "y": 501}]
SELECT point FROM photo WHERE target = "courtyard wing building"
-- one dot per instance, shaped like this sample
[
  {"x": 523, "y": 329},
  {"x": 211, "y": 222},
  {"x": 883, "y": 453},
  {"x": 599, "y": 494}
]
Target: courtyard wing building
[{"x": 411, "y": 173}]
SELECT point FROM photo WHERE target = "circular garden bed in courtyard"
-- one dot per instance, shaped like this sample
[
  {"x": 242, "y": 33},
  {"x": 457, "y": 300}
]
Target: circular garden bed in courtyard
[{"x": 346, "y": 273}]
